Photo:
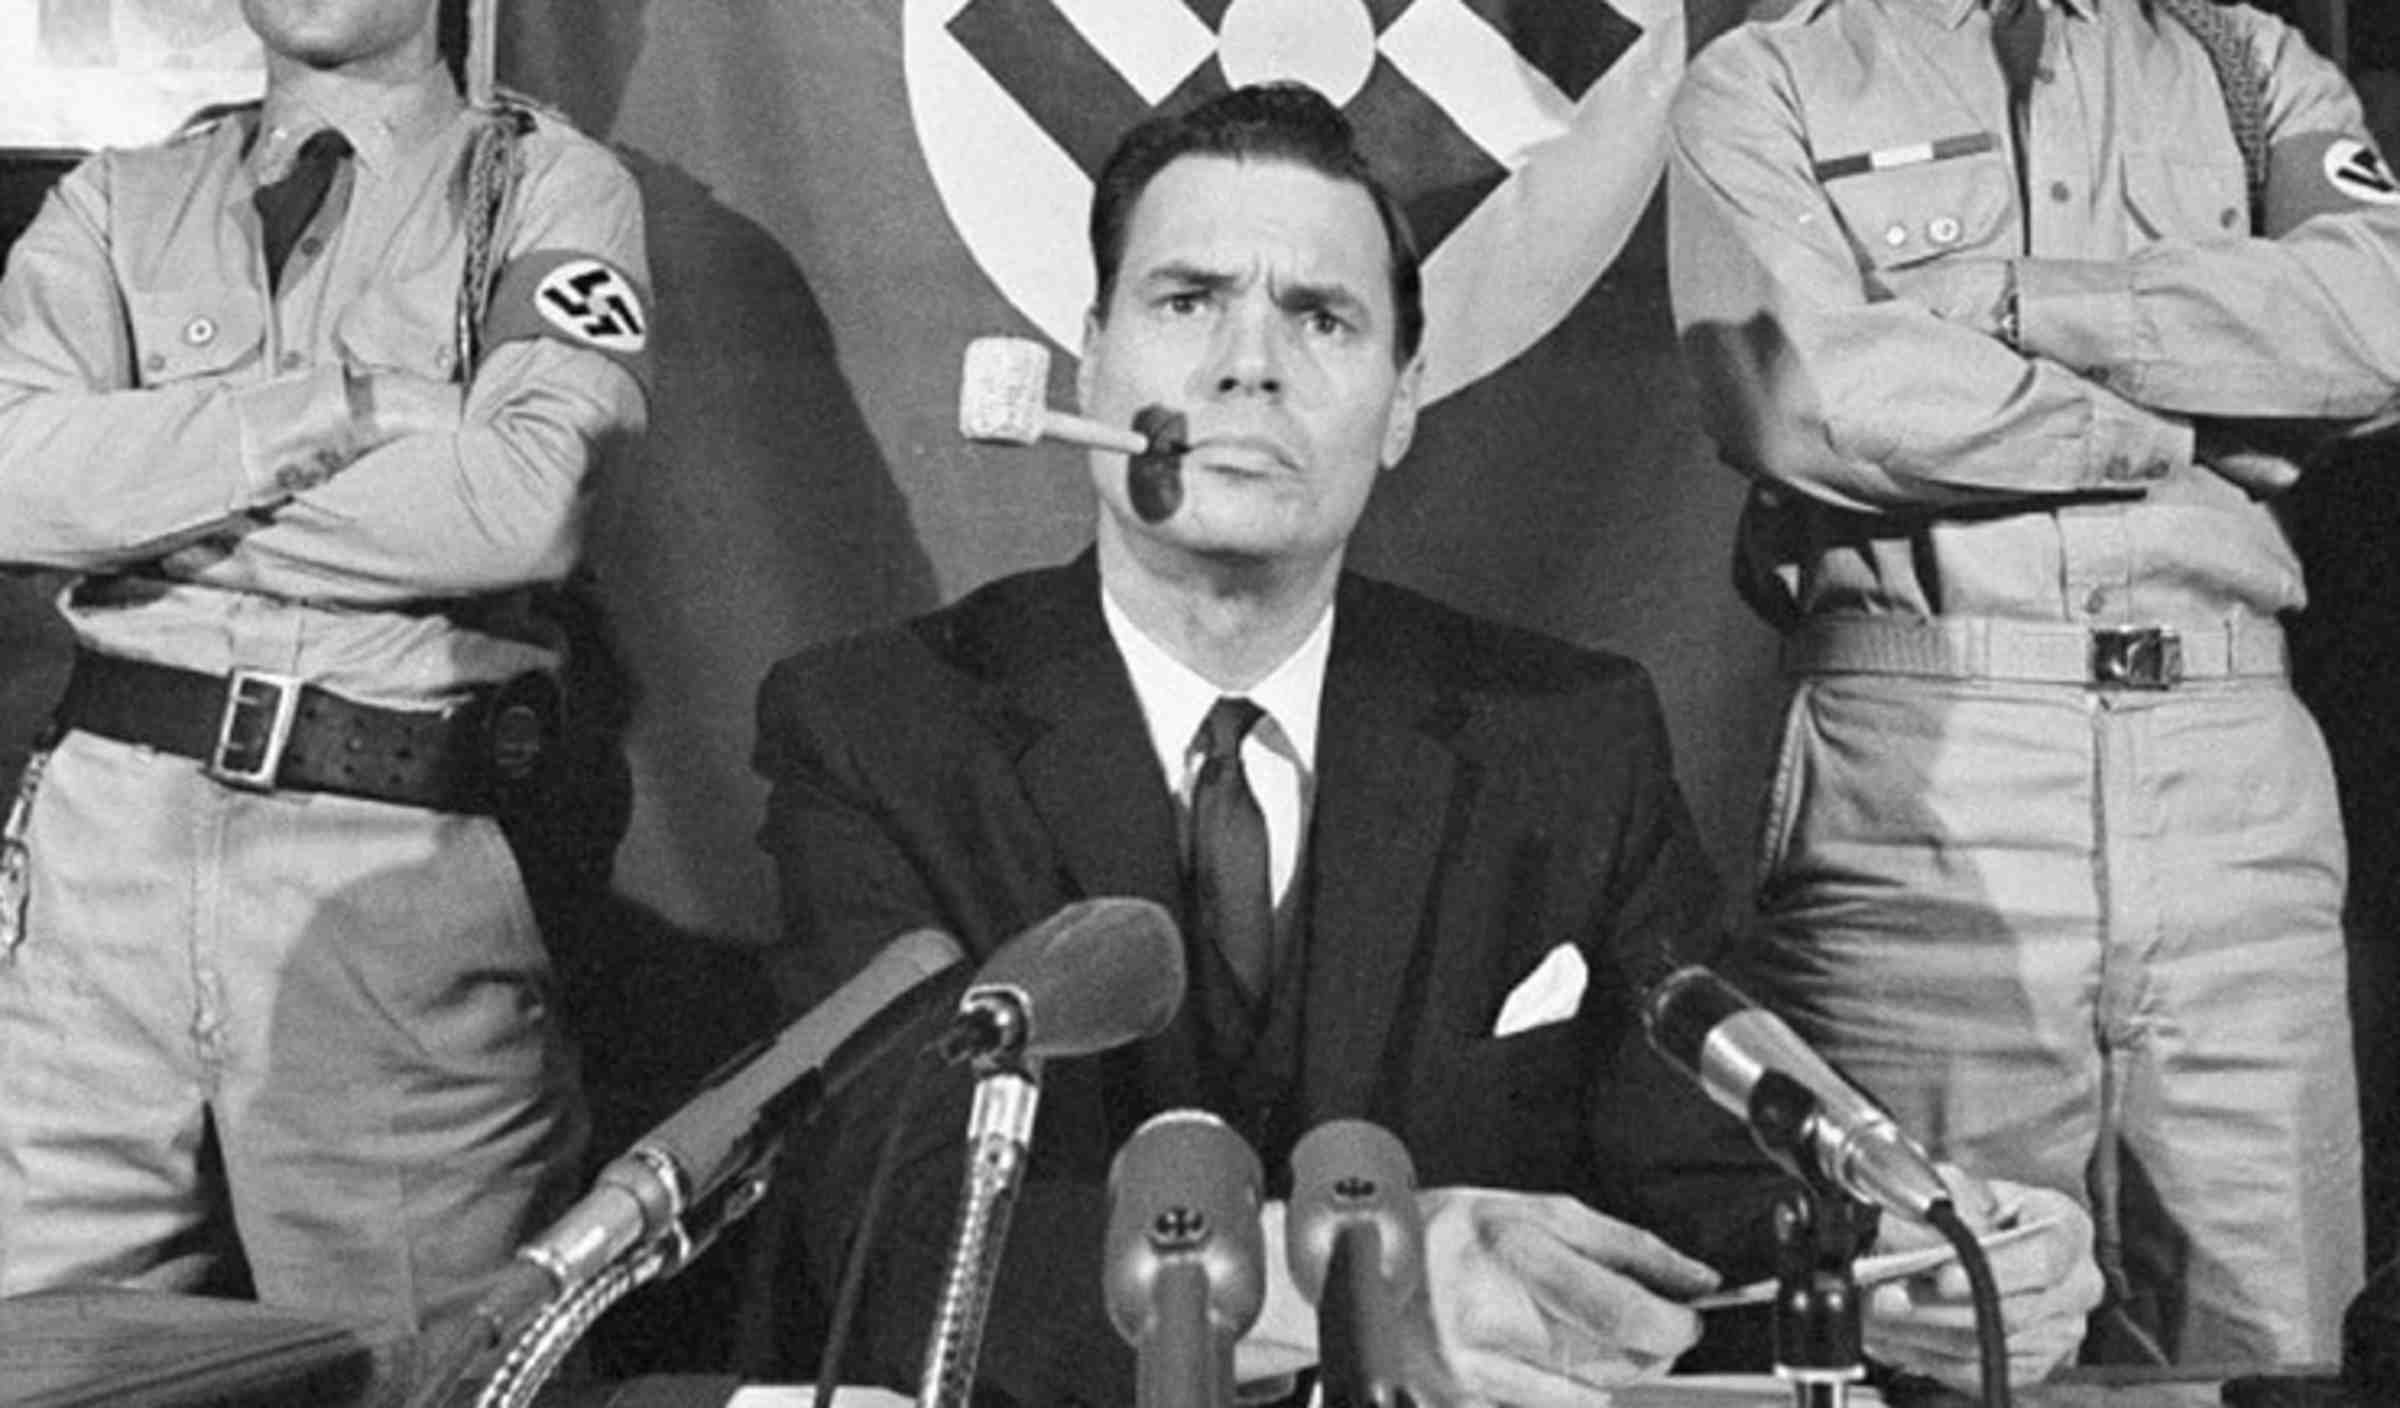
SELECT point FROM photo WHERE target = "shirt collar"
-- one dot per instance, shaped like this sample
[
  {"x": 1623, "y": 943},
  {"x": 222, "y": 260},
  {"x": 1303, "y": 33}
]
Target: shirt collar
[
  {"x": 1953, "y": 13},
  {"x": 1175, "y": 698},
  {"x": 379, "y": 121}
]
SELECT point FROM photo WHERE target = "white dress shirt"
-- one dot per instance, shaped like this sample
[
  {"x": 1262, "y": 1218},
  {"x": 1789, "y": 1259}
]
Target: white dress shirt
[{"x": 1279, "y": 755}]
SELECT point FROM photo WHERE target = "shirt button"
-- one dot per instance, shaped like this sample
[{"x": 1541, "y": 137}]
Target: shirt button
[
  {"x": 1896, "y": 236},
  {"x": 201, "y": 331},
  {"x": 2096, "y": 602},
  {"x": 156, "y": 362},
  {"x": 1943, "y": 230},
  {"x": 312, "y": 246},
  {"x": 2060, "y": 192},
  {"x": 292, "y": 478},
  {"x": 292, "y": 361},
  {"x": 2229, "y": 217}
]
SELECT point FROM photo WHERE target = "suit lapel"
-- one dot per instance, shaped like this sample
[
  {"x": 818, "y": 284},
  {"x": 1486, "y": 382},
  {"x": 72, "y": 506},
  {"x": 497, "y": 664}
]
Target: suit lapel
[
  {"x": 1387, "y": 778},
  {"x": 1083, "y": 753}
]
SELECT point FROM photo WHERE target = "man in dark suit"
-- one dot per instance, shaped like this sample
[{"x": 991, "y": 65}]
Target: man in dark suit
[{"x": 1458, "y": 852}]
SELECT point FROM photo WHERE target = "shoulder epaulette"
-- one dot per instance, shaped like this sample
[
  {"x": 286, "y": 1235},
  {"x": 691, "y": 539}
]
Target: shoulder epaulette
[{"x": 209, "y": 118}]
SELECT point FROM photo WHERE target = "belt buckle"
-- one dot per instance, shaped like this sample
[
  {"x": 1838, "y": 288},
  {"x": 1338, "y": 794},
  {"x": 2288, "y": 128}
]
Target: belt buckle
[
  {"x": 253, "y": 728},
  {"x": 2137, "y": 657}
]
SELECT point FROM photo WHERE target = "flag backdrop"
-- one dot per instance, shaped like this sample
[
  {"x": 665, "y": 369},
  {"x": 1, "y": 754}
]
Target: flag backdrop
[{"x": 842, "y": 193}]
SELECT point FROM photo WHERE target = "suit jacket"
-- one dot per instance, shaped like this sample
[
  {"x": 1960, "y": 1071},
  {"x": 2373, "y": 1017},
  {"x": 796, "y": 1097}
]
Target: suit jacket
[{"x": 1483, "y": 795}]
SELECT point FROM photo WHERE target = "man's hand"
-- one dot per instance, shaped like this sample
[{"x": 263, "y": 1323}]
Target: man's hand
[
  {"x": 1538, "y": 1300},
  {"x": 2048, "y": 1285},
  {"x": 2264, "y": 457}
]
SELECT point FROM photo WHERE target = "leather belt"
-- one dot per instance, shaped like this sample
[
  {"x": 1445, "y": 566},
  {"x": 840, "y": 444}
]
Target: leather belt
[
  {"x": 268, "y": 732},
  {"x": 2149, "y": 657}
]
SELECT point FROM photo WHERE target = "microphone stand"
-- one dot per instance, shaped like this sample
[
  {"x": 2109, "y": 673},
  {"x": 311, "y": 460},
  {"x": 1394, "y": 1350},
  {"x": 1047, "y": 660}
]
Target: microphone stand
[
  {"x": 543, "y": 1304},
  {"x": 999, "y": 1132},
  {"x": 1360, "y": 1363},
  {"x": 1819, "y": 1229}
]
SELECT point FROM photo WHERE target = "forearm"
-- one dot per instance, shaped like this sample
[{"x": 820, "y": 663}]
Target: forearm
[
  {"x": 468, "y": 500},
  {"x": 1813, "y": 379},
  {"x": 2294, "y": 328}
]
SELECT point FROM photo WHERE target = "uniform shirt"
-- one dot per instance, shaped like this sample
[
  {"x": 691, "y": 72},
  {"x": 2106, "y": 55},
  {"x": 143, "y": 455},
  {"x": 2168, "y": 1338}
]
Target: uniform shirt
[
  {"x": 1279, "y": 755},
  {"x": 169, "y": 425},
  {"x": 1916, "y": 465}
]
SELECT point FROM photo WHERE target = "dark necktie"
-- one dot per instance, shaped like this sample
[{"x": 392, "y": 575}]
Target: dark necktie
[
  {"x": 2017, "y": 40},
  {"x": 1234, "y": 902},
  {"x": 286, "y": 206}
]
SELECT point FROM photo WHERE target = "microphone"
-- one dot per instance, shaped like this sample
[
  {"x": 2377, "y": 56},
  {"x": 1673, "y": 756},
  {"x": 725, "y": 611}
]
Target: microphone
[
  {"x": 1097, "y": 974},
  {"x": 1730, "y": 1045},
  {"x": 1001, "y": 392},
  {"x": 1185, "y": 1267},
  {"x": 1356, "y": 1247},
  {"x": 719, "y": 1135}
]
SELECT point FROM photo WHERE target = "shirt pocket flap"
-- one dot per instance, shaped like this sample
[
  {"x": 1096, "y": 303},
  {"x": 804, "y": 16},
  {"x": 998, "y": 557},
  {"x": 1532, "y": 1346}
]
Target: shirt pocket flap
[
  {"x": 1917, "y": 210},
  {"x": 183, "y": 333},
  {"x": 2178, "y": 196}
]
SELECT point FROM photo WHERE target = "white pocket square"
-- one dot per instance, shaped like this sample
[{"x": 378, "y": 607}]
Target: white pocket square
[{"x": 1551, "y": 993}]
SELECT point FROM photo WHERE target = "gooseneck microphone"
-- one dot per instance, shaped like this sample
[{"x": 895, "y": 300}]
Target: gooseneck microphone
[
  {"x": 1095, "y": 975},
  {"x": 1355, "y": 1243},
  {"x": 1184, "y": 1267},
  {"x": 706, "y": 1152},
  {"x": 1726, "y": 1042}
]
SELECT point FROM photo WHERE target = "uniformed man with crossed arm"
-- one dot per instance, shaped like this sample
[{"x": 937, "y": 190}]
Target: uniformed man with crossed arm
[
  {"x": 2019, "y": 314},
  {"x": 305, "y": 400}
]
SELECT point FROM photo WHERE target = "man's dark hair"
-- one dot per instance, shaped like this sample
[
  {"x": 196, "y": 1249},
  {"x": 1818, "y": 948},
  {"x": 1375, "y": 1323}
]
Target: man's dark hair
[{"x": 1265, "y": 122}]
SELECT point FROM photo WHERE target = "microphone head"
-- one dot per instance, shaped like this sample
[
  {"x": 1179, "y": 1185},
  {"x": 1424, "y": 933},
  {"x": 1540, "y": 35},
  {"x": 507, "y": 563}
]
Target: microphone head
[
  {"x": 1681, "y": 1012},
  {"x": 1348, "y": 1173},
  {"x": 1184, "y": 1190},
  {"x": 1003, "y": 389},
  {"x": 1729, "y": 1045},
  {"x": 1096, "y": 975}
]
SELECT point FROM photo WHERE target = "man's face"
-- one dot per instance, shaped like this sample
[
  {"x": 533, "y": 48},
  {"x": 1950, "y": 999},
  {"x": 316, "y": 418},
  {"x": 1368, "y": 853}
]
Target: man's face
[
  {"x": 1254, "y": 297},
  {"x": 367, "y": 36}
]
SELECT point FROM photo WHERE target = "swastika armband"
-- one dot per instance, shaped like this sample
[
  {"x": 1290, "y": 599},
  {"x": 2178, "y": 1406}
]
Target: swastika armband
[
  {"x": 2322, "y": 173},
  {"x": 576, "y": 298}
]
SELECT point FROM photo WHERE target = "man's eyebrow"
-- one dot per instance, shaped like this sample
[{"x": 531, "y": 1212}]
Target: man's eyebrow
[
  {"x": 1181, "y": 273},
  {"x": 1303, "y": 297}
]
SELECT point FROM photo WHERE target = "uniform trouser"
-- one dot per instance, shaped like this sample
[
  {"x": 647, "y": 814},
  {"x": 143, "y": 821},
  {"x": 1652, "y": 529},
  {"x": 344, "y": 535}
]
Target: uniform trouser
[
  {"x": 350, "y": 996},
  {"x": 2092, "y": 940}
]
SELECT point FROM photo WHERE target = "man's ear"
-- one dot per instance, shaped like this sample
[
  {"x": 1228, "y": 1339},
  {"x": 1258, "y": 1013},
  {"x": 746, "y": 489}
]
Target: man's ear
[
  {"x": 1083, "y": 362},
  {"x": 1400, "y": 425}
]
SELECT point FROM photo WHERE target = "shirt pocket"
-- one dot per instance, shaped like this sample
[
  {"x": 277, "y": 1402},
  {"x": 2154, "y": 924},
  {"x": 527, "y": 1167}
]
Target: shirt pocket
[
  {"x": 186, "y": 334},
  {"x": 2184, "y": 196},
  {"x": 1898, "y": 216},
  {"x": 403, "y": 325}
]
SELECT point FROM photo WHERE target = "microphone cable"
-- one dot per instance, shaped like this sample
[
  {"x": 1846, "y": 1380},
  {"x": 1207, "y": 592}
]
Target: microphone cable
[
  {"x": 1991, "y": 1336},
  {"x": 870, "y": 1218}
]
